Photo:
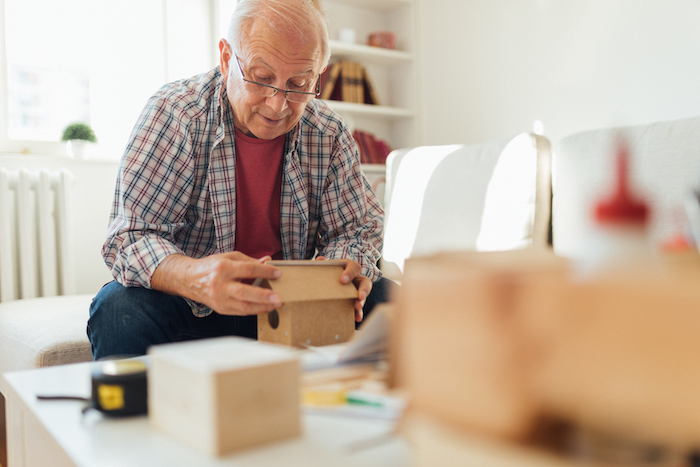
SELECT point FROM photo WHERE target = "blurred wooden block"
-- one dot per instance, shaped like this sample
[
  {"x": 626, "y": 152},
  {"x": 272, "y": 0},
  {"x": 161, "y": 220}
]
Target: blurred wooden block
[
  {"x": 434, "y": 443},
  {"x": 461, "y": 347},
  {"x": 490, "y": 343},
  {"x": 225, "y": 394},
  {"x": 317, "y": 309},
  {"x": 620, "y": 356}
]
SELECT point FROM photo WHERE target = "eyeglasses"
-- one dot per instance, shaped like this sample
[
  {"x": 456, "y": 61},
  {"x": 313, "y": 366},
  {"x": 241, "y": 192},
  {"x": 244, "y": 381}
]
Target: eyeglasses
[{"x": 260, "y": 89}]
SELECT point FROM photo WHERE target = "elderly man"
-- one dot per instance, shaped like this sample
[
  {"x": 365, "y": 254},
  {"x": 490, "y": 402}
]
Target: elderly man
[{"x": 224, "y": 171}]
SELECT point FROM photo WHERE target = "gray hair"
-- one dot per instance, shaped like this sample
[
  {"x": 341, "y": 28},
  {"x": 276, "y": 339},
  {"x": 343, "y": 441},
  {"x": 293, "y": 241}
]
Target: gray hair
[{"x": 299, "y": 18}]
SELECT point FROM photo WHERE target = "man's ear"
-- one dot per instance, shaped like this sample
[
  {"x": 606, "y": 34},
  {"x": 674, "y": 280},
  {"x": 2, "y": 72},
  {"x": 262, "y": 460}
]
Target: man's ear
[{"x": 225, "y": 55}]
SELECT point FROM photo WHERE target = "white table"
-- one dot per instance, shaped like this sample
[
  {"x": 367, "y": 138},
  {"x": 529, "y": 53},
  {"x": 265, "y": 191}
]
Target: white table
[{"x": 55, "y": 433}]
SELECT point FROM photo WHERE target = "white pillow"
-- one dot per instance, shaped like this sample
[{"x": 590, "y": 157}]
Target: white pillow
[{"x": 457, "y": 197}]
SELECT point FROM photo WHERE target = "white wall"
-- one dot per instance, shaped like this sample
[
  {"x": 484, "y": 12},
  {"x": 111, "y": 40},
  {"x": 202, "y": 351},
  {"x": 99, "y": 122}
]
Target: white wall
[
  {"x": 92, "y": 200},
  {"x": 490, "y": 68},
  {"x": 573, "y": 64}
]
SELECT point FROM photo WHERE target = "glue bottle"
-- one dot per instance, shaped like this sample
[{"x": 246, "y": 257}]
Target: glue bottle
[{"x": 620, "y": 241}]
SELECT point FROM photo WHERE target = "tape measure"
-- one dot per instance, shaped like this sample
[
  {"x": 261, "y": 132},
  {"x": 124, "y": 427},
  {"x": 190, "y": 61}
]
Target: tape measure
[
  {"x": 119, "y": 388},
  {"x": 324, "y": 395}
]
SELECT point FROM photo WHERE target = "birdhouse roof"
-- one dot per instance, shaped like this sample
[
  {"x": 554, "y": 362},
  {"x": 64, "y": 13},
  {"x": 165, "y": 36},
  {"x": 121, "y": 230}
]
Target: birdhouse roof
[{"x": 306, "y": 280}]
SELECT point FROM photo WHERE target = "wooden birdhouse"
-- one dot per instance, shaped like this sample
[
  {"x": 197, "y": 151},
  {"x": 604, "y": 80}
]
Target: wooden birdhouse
[{"x": 316, "y": 308}]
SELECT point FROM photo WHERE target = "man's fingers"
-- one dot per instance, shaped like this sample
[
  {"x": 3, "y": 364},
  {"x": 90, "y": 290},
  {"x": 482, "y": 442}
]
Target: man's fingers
[
  {"x": 359, "y": 314},
  {"x": 243, "y": 299},
  {"x": 359, "y": 311},
  {"x": 350, "y": 272},
  {"x": 250, "y": 293},
  {"x": 364, "y": 287}
]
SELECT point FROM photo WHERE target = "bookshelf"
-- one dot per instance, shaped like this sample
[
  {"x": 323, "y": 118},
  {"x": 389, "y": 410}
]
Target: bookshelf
[
  {"x": 394, "y": 72},
  {"x": 381, "y": 111},
  {"x": 368, "y": 54}
]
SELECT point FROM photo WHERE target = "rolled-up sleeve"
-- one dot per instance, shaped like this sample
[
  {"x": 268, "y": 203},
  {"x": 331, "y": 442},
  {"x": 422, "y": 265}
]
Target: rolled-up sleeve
[{"x": 152, "y": 194}]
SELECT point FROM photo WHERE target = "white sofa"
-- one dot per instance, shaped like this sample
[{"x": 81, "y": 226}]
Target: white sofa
[
  {"x": 441, "y": 198},
  {"x": 49, "y": 331}
]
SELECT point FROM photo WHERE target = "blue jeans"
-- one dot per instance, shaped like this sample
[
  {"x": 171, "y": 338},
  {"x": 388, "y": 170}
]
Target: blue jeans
[{"x": 125, "y": 321}]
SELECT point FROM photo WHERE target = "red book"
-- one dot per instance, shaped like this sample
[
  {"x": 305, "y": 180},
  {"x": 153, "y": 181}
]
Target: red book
[
  {"x": 384, "y": 150},
  {"x": 371, "y": 148},
  {"x": 374, "y": 156},
  {"x": 361, "y": 146}
]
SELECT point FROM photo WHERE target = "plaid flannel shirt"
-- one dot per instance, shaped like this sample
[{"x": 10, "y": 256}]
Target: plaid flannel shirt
[{"x": 176, "y": 189}]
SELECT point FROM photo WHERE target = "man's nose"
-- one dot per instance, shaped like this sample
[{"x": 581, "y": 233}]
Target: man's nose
[{"x": 277, "y": 102}]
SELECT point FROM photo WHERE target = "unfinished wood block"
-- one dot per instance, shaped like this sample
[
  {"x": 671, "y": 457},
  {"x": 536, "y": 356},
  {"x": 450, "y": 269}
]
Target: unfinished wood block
[
  {"x": 225, "y": 394},
  {"x": 461, "y": 347},
  {"x": 317, "y": 309},
  {"x": 435, "y": 443},
  {"x": 514, "y": 337},
  {"x": 620, "y": 358}
]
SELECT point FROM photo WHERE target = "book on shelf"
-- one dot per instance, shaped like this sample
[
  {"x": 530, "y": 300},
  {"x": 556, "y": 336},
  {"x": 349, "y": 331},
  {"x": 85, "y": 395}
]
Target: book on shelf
[
  {"x": 357, "y": 82},
  {"x": 372, "y": 149},
  {"x": 329, "y": 78},
  {"x": 348, "y": 81},
  {"x": 384, "y": 150},
  {"x": 370, "y": 96},
  {"x": 375, "y": 155},
  {"x": 360, "y": 147}
]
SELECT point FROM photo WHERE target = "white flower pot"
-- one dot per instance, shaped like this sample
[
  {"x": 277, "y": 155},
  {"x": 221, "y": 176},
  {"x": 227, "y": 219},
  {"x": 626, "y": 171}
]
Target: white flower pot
[{"x": 76, "y": 148}]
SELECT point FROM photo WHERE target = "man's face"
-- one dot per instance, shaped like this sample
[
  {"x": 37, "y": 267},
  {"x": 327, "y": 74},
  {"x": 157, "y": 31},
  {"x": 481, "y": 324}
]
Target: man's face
[{"x": 270, "y": 58}]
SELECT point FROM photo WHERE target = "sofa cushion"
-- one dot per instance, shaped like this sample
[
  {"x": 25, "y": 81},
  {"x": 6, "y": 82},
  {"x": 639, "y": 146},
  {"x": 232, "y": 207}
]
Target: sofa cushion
[
  {"x": 489, "y": 196},
  {"x": 44, "y": 332},
  {"x": 664, "y": 168}
]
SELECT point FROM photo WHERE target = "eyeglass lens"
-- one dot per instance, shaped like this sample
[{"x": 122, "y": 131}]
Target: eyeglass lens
[{"x": 267, "y": 91}]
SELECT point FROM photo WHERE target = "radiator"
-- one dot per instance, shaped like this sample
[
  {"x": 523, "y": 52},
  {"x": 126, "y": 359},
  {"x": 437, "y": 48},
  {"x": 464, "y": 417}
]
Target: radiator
[{"x": 35, "y": 234}]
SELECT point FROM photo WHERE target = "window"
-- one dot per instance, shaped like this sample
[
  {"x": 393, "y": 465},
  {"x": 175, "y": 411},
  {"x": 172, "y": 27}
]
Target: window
[{"x": 96, "y": 61}]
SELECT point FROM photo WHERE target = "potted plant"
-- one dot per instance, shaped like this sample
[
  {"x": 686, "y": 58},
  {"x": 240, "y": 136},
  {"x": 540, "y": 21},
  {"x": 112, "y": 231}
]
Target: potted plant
[{"x": 77, "y": 135}]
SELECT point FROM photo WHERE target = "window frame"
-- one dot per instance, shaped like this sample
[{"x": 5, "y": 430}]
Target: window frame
[{"x": 57, "y": 148}]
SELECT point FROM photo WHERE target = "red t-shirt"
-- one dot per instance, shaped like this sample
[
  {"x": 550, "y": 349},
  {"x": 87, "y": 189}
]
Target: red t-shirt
[{"x": 258, "y": 193}]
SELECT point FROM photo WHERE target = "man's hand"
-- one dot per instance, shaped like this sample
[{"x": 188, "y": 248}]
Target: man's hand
[
  {"x": 217, "y": 282},
  {"x": 363, "y": 284}
]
